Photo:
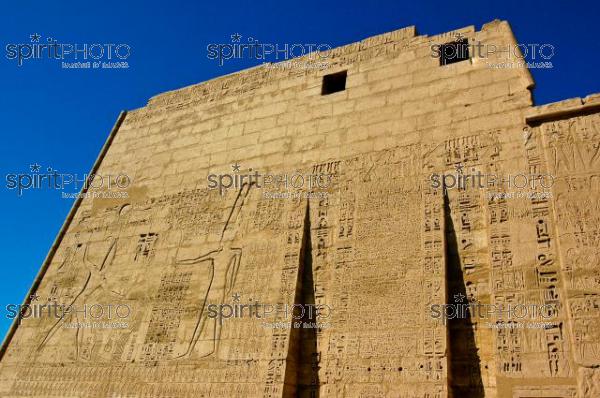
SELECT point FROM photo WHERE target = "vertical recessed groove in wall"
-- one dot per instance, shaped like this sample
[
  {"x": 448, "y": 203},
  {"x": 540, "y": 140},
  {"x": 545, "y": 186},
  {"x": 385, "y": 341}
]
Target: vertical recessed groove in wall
[
  {"x": 464, "y": 374},
  {"x": 302, "y": 363}
]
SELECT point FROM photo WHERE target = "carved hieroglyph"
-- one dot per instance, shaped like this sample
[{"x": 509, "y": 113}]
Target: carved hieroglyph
[{"x": 161, "y": 282}]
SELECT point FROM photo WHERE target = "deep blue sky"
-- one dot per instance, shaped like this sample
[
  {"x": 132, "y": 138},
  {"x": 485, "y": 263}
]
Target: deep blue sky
[{"x": 60, "y": 118}]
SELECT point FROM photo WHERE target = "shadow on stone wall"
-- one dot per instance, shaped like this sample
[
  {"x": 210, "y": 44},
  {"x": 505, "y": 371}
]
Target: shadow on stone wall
[{"x": 464, "y": 371}]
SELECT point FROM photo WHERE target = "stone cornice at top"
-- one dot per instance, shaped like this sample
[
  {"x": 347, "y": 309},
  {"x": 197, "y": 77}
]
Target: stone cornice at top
[{"x": 563, "y": 109}]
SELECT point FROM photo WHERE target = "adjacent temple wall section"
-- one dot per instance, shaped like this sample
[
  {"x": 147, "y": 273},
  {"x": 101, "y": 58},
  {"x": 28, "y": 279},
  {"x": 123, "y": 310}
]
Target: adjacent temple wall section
[{"x": 569, "y": 133}]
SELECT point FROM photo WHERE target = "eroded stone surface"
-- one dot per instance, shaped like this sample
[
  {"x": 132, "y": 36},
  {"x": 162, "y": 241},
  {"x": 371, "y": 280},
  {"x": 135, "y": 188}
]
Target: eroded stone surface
[{"x": 376, "y": 248}]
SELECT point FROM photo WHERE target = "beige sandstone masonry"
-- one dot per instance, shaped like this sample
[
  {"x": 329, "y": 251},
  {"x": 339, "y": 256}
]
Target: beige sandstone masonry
[{"x": 378, "y": 247}]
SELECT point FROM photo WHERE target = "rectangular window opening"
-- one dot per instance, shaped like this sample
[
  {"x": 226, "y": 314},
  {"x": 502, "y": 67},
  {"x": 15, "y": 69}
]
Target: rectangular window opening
[
  {"x": 456, "y": 51},
  {"x": 334, "y": 82}
]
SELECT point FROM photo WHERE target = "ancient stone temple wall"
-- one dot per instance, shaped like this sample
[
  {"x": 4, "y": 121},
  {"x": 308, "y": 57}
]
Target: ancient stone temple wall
[{"x": 373, "y": 243}]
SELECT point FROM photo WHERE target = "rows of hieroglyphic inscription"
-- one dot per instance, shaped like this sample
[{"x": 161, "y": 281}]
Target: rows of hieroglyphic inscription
[
  {"x": 473, "y": 358},
  {"x": 520, "y": 271},
  {"x": 515, "y": 277},
  {"x": 572, "y": 149},
  {"x": 219, "y": 379},
  {"x": 506, "y": 277},
  {"x": 167, "y": 257},
  {"x": 544, "y": 283},
  {"x": 433, "y": 275},
  {"x": 378, "y": 263},
  {"x": 280, "y": 340},
  {"x": 519, "y": 352}
]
